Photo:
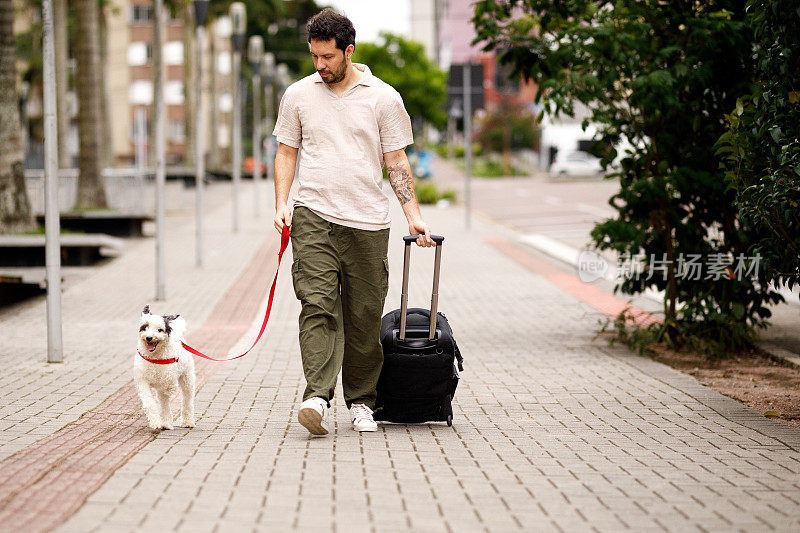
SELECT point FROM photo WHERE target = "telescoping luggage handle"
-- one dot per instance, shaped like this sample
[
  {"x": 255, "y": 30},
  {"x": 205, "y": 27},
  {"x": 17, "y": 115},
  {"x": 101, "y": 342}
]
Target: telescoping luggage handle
[{"x": 438, "y": 239}]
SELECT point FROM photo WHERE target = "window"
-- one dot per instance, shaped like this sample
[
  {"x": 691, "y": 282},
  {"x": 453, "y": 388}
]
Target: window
[
  {"x": 173, "y": 93},
  {"x": 139, "y": 53},
  {"x": 223, "y": 136},
  {"x": 140, "y": 92},
  {"x": 141, "y": 14},
  {"x": 176, "y": 131},
  {"x": 223, "y": 27},
  {"x": 224, "y": 63},
  {"x": 226, "y": 102},
  {"x": 173, "y": 53}
]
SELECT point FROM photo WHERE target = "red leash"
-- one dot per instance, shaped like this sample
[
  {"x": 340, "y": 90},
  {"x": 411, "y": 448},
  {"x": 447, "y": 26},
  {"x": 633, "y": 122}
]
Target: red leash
[{"x": 284, "y": 244}]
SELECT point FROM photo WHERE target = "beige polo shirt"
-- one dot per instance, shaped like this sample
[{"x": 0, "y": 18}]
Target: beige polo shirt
[{"x": 342, "y": 141}]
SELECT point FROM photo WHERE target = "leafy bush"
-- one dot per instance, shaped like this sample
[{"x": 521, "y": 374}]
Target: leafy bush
[
  {"x": 762, "y": 147},
  {"x": 491, "y": 168},
  {"x": 427, "y": 193}
]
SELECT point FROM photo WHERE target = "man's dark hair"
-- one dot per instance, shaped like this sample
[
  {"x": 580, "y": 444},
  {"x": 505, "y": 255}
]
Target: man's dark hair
[{"x": 327, "y": 25}]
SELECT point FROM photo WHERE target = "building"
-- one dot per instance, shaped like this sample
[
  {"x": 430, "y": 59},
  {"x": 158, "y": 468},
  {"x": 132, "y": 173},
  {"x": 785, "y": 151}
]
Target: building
[
  {"x": 448, "y": 23},
  {"x": 130, "y": 78}
]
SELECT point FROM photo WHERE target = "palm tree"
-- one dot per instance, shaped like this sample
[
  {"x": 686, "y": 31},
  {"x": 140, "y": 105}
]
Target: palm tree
[
  {"x": 107, "y": 154},
  {"x": 62, "y": 80},
  {"x": 15, "y": 210},
  {"x": 190, "y": 81},
  {"x": 91, "y": 192}
]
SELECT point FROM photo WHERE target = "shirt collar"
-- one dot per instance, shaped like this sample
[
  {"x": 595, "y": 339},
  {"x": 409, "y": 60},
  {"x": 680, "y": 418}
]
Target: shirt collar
[{"x": 366, "y": 76}]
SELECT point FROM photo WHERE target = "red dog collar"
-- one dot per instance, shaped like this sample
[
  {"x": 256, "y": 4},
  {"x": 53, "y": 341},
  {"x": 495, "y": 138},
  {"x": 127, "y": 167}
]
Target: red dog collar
[{"x": 158, "y": 361}]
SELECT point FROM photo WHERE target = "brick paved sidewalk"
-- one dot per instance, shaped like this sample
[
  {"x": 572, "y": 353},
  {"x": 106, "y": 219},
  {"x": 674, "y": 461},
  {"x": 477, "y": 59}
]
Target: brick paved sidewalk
[
  {"x": 553, "y": 430},
  {"x": 101, "y": 313}
]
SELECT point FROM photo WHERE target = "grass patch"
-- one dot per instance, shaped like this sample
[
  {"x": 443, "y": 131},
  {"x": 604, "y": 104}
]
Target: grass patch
[
  {"x": 427, "y": 193},
  {"x": 490, "y": 168}
]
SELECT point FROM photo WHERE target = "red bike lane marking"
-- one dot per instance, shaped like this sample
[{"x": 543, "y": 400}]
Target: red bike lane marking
[
  {"x": 45, "y": 483},
  {"x": 607, "y": 304}
]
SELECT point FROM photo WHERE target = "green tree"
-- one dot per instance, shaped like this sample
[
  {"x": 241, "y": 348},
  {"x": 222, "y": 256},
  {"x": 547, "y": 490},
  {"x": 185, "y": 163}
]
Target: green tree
[
  {"x": 762, "y": 148},
  {"x": 403, "y": 65},
  {"x": 282, "y": 24},
  {"x": 661, "y": 76}
]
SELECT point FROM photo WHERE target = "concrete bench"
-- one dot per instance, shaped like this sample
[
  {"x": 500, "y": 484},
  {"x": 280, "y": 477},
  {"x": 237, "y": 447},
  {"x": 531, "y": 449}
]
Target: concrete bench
[
  {"x": 19, "y": 284},
  {"x": 118, "y": 224},
  {"x": 76, "y": 249}
]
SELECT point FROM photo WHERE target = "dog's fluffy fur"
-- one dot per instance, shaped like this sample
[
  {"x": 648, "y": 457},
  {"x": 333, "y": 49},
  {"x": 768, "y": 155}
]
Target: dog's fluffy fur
[{"x": 160, "y": 338}]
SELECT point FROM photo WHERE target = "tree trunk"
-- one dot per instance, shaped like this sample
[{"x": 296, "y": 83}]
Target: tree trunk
[
  {"x": 91, "y": 192},
  {"x": 62, "y": 81},
  {"x": 106, "y": 138},
  {"x": 189, "y": 86},
  {"x": 15, "y": 210},
  {"x": 213, "y": 147}
]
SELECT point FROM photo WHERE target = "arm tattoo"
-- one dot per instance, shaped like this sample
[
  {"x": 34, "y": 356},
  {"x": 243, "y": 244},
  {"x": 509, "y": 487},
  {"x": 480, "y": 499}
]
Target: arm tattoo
[{"x": 402, "y": 182}]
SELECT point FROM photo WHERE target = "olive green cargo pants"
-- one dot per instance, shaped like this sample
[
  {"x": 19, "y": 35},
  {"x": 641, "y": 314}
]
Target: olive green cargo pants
[{"x": 340, "y": 276}]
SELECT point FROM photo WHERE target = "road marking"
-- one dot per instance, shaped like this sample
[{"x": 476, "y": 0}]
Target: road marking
[
  {"x": 569, "y": 255},
  {"x": 606, "y": 303}
]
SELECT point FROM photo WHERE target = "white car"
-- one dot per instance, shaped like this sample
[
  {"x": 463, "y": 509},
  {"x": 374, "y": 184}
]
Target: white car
[{"x": 575, "y": 164}]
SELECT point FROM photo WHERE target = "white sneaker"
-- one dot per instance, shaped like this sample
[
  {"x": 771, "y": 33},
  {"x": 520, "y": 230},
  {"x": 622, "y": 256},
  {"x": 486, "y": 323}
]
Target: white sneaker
[
  {"x": 362, "y": 418},
  {"x": 313, "y": 415}
]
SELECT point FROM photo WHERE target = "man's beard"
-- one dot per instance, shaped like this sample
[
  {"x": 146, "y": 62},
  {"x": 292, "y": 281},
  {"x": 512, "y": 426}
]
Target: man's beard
[{"x": 337, "y": 75}]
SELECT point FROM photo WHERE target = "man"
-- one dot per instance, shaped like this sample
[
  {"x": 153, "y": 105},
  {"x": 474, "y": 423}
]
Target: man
[{"x": 345, "y": 123}]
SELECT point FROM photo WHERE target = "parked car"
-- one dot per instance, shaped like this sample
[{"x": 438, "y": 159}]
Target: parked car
[{"x": 575, "y": 163}]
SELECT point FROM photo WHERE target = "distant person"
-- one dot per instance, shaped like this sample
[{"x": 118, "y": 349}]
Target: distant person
[{"x": 346, "y": 124}]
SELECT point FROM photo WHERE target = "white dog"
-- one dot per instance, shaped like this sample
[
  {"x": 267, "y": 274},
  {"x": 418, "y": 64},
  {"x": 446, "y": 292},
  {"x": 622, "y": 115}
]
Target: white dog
[{"x": 160, "y": 366}]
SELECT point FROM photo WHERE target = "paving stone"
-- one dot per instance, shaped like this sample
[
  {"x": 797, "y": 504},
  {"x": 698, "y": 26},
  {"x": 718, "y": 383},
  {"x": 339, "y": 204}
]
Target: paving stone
[{"x": 553, "y": 429}]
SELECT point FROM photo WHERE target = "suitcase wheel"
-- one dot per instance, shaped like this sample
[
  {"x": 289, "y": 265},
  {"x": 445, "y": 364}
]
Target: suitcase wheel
[{"x": 449, "y": 420}]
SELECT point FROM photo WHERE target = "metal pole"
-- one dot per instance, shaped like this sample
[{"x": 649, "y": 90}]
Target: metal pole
[
  {"x": 158, "y": 93},
  {"x": 141, "y": 153},
  {"x": 200, "y": 169},
  {"x": 55, "y": 351},
  {"x": 269, "y": 155},
  {"x": 437, "y": 39},
  {"x": 237, "y": 136},
  {"x": 256, "y": 142},
  {"x": 467, "y": 139},
  {"x": 451, "y": 136},
  {"x": 141, "y": 141}
]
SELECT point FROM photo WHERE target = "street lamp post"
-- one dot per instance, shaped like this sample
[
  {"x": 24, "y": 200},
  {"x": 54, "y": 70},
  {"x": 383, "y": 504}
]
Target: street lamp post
[
  {"x": 282, "y": 75},
  {"x": 161, "y": 170},
  {"x": 468, "y": 142},
  {"x": 51, "y": 211},
  {"x": 267, "y": 69},
  {"x": 255, "y": 53},
  {"x": 200, "y": 16},
  {"x": 283, "y": 79},
  {"x": 238, "y": 16}
]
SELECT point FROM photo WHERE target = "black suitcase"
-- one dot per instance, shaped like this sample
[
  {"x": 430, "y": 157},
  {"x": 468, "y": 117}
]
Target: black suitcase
[{"x": 419, "y": 375}]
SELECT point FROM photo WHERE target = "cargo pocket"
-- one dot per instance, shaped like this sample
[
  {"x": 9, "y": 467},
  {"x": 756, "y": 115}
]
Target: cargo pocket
[
  {"x": 297, "y": 282},
  {"x": 385, "y": 280}
]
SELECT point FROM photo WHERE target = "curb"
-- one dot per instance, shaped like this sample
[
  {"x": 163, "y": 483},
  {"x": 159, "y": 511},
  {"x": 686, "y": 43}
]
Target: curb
[{"x": 569, "y": 255}]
